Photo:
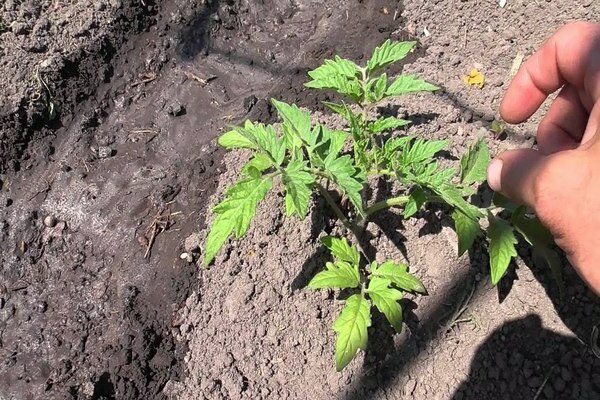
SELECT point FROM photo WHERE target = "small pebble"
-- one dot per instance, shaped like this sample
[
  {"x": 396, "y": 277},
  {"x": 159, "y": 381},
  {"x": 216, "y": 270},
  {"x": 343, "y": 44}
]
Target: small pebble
[
  {"x": 50, "y": 221},
  {"x": 104, "y": 152},
  {"x": 176, "y": 109}
]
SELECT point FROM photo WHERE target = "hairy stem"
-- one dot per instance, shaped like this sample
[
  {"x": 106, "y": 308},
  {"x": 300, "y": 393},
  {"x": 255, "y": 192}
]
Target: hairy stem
[
  {"x": 333, "y": 205},
  {"x": 391, "y": 202},
  {"x": 353, "y": 228}
]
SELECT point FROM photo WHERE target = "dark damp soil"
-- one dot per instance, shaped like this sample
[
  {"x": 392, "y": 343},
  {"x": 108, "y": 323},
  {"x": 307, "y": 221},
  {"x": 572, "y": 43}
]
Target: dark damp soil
[{"x": 108, "y": 165}]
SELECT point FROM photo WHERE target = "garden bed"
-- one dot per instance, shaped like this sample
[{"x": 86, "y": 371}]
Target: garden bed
[{"x": 99, "y": 200}]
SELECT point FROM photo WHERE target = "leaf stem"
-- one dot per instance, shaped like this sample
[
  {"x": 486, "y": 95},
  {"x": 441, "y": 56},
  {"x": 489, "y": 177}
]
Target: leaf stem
[{"x": 391, "y": 202}]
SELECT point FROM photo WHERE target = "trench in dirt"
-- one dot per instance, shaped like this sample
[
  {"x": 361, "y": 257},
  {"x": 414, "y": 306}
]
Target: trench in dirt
[{"x": 83, "y": 313}]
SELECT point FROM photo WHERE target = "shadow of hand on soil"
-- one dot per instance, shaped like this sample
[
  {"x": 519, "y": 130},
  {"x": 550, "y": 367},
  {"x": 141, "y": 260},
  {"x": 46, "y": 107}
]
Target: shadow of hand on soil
[{"x": 523, "y": 360}]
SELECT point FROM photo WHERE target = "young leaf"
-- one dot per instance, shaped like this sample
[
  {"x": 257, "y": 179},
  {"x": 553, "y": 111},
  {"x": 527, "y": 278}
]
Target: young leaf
[
  {"x": 379, "y": 87},
  {"x": 387, "y": 53},
  {"x": 296, "y": 123},
  {"x": 390, "y": 149},
  {"x": 415, "y": 201},
  {"x": 341, "y": 249},
  {"x": 339, "y": 275},
  {"x": 451, "y": 195},
  {"x": 398, "y": 274},
  {"x": 298, "y": 188},
  {"x": 531, "y": 229},
  {"x": 328, "y": 146},
  {"x": 235, "y": 140},
  {"x": 351, "y": 328},
  {"x": 384, "y": 124},
  {"x": 405, "y": 84},
  {"x": 349, "y": 178},
  {"x": 264, "y": 139},
  {"x": 421, "y": 150},
  {"x": 500, "y": 201},
  {"x": 338, "y": 74},
  {"x": 552, "y": 259},
  {"x": 386, "y": 300},
  {"x": 257, "y": 164},
  {"x": 502, "y": 247},
  {"x": 474, "y": 163},
  {"x": 376, "y": 88},
  {"x": 538, "y": 236},
  {"x": 234, "y": 213},
  {"x": 466, "y": 229},
  {"x": 340, "y": 109}
]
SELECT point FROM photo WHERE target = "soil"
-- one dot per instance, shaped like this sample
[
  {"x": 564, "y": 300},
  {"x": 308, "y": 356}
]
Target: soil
[{"x": 108, "y": 166}]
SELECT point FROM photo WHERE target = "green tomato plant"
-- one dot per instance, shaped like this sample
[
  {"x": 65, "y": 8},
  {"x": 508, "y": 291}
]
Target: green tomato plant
[{"x": 303, "y": 159}]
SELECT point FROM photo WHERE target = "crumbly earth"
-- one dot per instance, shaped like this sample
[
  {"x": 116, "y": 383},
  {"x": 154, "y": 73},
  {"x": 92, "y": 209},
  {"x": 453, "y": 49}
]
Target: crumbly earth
[{"x": 98, "y": 204}]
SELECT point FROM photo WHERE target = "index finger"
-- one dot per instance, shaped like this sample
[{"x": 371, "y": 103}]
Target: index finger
[{"x": 571, "y": 55}]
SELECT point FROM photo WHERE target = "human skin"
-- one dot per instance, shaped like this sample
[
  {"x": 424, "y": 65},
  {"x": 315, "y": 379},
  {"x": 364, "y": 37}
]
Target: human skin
[{"x": 560, "y": 180}]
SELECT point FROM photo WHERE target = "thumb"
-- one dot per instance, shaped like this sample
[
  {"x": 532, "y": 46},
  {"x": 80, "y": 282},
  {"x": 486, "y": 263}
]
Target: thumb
[{"x": 515, "y": 173}]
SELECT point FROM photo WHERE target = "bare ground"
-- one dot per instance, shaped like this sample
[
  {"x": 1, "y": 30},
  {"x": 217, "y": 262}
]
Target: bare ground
[{"x": 83, "y": 314}]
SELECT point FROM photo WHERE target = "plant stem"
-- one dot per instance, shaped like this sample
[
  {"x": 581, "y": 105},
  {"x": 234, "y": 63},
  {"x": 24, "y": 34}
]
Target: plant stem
[
  {"x": 332, "y": 204},
  {"x": 392, "y": 202},
  {"x": 353, "y": 228}
]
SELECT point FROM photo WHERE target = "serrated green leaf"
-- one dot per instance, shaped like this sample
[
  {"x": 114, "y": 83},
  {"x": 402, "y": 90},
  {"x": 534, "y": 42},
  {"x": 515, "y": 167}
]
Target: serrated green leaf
[
  {"x": 235, "y": 140},
  {"x": 466, "y": 229},
  {"x": 340, "y": 275},
  {"x": 338, "y": 74},
  {"x": 531, "y": 228},
  {"x": 405, "y": 84},
  {"x": 348, "y": 178},
  {"x": 296, "y": 123},
  {"x": 340, "y": 109},
  {"x": 384, "y": 124},
  {"x": 351, "y": 328},
  {"x": 234, "y": 213},
  {"x": 328, "y": 146},
  {"x": 298, "y": 188},
  {"x": 391, "y": 148},
  {"x": 386, "y": 300},
  {"x": 540, "y": 238},
  {"x": 387, "y": 53},
  {"x": 416, "y": 199},
  {"x": 451, "y": 195},
  {"x": 398, "y": 274},
  {"x": 474, "y": 163},
  {"x": 257, "y": 164},
  {"x": 421, "y": 150},
  {"x": 380, "y": 85},
  {"x": 376, "y": 88},
  {"x": 264, "y": 139},
  {"x": 502, "y": 247},
  {"x": 500, "y": 200},
  {"x": 341, "y": 249}
]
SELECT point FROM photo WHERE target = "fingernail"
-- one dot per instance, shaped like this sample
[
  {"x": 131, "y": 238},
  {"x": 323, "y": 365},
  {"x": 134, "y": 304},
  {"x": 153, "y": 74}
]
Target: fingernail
[{"x": 494, "y": 174}]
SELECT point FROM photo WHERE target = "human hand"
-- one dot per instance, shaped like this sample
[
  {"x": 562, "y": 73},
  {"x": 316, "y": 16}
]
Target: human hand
[{"x": 561, "y": 180}]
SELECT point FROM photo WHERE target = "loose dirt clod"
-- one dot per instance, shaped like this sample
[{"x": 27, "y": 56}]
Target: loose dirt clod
[{"x": 50, "y": 221}]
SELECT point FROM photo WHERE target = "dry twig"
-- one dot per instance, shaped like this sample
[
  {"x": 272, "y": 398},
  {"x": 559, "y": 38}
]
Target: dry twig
[
  {"x": 202, "y": 81},
  {"x": 161, "y": 222}
]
